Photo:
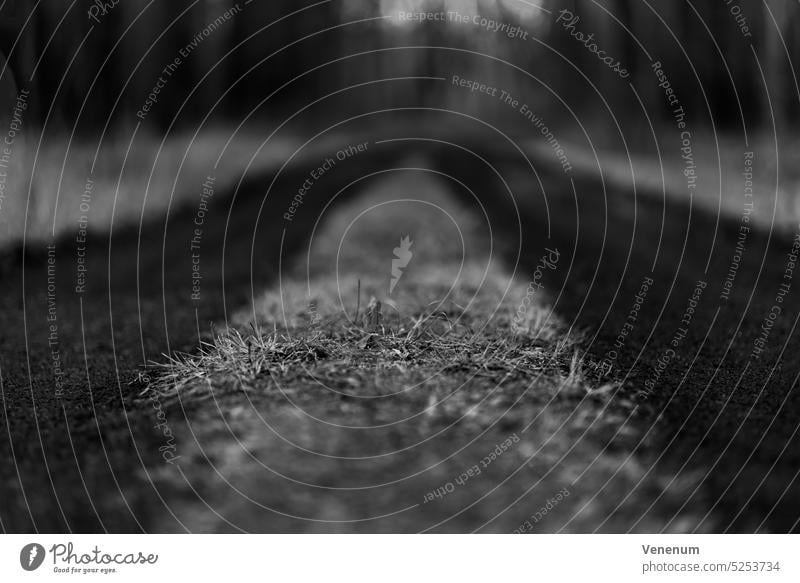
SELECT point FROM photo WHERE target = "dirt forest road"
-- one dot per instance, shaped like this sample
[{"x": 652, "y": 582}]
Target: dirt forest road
[{"x": 713, "y": 380}]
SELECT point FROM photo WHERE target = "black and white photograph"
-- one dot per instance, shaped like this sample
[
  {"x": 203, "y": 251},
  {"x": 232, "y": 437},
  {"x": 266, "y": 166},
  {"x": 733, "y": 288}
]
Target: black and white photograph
[{"x": 392, "y": 267}]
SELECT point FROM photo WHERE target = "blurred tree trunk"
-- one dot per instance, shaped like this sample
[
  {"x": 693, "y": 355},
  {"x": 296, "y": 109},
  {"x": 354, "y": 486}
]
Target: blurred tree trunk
[
  {"x": 135, "y": 46},
  {"x": 20, "y": 47},
  {"x": 23, "y": 57},
  {"x": 774, "y": 61},
  {"x": 793, "y": 40},
  {"x": 209, "y": 58}
]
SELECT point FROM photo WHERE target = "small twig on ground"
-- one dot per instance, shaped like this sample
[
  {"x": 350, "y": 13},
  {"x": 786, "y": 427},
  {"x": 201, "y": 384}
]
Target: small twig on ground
[{"x": 373, "y": 316}]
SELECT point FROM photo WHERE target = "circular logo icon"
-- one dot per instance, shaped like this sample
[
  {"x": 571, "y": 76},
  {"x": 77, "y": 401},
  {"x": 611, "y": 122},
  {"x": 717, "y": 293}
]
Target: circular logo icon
[{"x": 31, "y": 556}]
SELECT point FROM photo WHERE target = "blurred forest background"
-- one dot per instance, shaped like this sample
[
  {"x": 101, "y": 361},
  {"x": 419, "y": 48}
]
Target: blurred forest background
[
  {"x": 104, "y": 74},
  {"x": 91, "y": 65}
]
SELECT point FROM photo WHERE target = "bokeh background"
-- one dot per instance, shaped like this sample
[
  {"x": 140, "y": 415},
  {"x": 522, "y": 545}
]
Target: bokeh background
[{"x": 90, "y": 67}]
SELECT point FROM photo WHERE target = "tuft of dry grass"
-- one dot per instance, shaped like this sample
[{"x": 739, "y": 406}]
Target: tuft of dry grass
[{"x": 241, "y": 358}]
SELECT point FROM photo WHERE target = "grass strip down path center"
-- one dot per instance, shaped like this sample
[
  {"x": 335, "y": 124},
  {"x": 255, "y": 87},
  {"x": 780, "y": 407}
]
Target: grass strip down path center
[{"x": 401, "y": 378}]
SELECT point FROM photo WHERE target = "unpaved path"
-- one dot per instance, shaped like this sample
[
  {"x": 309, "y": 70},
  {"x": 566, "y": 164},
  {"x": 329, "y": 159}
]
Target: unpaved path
[{"x": 718, "y": 420}]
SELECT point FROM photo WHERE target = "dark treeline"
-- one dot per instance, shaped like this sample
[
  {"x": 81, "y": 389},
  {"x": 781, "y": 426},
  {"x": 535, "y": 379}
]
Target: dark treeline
[{"x": 94, "y": 63}]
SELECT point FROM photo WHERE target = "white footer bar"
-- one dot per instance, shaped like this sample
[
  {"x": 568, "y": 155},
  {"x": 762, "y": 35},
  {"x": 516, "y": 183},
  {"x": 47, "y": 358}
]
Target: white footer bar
[{"x": 390, "y": 558}]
